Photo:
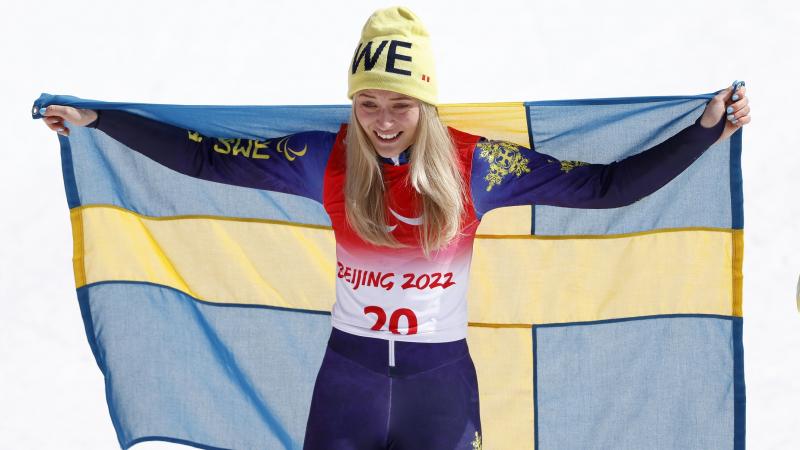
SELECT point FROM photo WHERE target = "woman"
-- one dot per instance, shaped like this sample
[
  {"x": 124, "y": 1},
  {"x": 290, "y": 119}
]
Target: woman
[{"x": 405, "y": 195}]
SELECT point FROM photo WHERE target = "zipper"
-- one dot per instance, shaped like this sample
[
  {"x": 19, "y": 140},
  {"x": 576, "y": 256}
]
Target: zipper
[{"x": 391, "y": 353}]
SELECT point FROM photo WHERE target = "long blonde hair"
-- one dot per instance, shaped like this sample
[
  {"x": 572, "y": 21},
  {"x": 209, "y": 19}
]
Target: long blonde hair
[{"x": 433, "y": 173}]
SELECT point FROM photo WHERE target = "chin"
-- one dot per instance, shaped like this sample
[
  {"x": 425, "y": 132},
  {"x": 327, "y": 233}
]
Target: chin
[{"x": 388, "y": 152}]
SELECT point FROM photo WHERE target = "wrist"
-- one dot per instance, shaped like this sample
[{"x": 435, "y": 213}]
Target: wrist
[{"x": 96, "y": 121}]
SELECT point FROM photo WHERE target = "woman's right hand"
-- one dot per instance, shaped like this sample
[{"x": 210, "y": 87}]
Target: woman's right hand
[{"x": 55, "y": 115}]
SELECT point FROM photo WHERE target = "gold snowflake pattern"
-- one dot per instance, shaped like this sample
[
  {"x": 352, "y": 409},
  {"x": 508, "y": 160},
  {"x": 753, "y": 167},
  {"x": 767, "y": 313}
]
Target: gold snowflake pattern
[
  {"x": 566, "y": 166},
  {"x": 504, "y": 158},
  {"x": 195, "y": 136},
  {"x": 477, "y": 443}
]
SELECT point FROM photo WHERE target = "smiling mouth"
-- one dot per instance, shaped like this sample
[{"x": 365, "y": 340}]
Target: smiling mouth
[{"x": 392, "y": 137}]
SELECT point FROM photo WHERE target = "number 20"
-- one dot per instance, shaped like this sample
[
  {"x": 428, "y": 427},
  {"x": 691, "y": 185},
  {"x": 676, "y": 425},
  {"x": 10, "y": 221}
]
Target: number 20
[{"x": 394, "y": 320}]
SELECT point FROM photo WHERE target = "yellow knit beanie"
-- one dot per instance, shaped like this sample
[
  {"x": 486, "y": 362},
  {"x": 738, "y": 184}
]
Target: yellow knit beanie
[{"x": 394, "y": 54}]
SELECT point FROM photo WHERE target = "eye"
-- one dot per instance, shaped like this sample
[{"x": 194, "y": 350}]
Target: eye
[
  {"x": 368, "y": 104},
  {"x": 401, "y": 106}
]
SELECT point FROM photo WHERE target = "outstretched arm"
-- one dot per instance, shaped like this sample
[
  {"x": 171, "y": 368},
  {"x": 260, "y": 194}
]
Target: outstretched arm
[
  {"x": 506, "y": 174},
  {"x": 293, "y": 164}
]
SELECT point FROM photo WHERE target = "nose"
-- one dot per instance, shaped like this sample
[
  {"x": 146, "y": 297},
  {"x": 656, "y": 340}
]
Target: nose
[{"x": 385, "y": 118}]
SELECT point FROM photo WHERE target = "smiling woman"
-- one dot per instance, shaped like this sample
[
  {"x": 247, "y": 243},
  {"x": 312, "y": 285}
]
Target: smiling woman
[
  {"x": 401, "y": 129},
  {"x": 405, "y": 195},
  {"x": 390, "y": 119}
]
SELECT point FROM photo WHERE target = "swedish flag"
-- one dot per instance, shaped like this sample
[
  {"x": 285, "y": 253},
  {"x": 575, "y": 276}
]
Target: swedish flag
[{"x": 207, "y": 306}]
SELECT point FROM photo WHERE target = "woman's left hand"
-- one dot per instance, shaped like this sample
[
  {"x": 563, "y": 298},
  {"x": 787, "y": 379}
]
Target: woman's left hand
[{"x": 734, "y": 105}]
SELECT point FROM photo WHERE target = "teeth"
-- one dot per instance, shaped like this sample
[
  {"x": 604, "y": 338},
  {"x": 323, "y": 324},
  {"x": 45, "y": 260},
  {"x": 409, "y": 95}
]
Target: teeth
[{"x": 387, "y": 136}]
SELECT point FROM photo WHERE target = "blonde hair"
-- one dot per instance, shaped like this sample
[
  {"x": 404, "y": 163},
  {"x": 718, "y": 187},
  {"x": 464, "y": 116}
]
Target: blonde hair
[{"x": 433, "y": 173}]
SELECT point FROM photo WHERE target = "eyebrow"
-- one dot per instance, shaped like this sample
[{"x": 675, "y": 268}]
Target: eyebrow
[{"x": 394, "y": 98}]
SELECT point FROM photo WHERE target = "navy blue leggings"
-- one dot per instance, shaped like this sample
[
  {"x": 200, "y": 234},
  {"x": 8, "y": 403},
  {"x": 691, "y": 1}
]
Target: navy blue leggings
[{"x": 428, "y": 399}]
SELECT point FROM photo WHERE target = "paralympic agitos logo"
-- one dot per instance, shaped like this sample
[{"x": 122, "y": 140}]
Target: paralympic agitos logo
[{"x": 364, "y": 52}]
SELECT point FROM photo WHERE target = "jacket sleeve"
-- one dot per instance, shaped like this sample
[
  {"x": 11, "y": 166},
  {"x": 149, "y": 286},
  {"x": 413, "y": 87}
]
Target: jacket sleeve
[
  {"x": 506, "y": 174},
  {"x": 293, "y": 164}
]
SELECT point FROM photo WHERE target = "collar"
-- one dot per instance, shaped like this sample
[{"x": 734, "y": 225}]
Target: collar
[{"x": 402, "y": 158}]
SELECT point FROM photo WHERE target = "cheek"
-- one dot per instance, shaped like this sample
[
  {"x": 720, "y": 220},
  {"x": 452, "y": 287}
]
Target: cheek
[
  {"x": 412, "y": 121},
  {"x": 365, "y": 118},
  {"x": 361, "y": 118}
]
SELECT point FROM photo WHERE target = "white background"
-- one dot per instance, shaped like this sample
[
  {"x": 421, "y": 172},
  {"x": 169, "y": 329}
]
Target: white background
[{"x": 297, "y": 52}]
